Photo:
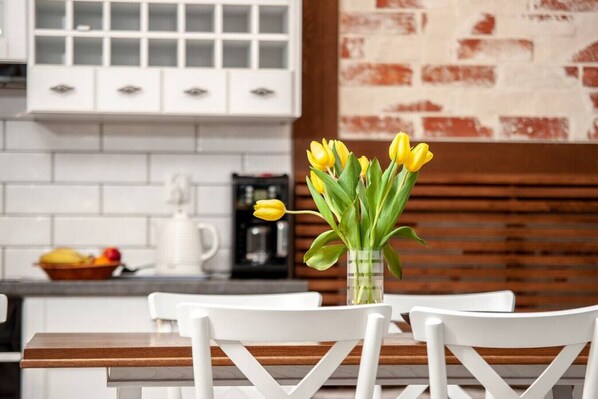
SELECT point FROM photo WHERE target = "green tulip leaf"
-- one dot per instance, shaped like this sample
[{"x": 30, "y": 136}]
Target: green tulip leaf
[
  {"x": 321, "y": 240},
  {"x": 350, "y": 176},
  {"x": 349, "y": 225},
  {"x": 404, "y": 232},
  {"x": 326, "y": 256},
  {"x": 321, "y": 205},
  {"x": 393, "y": 261},
  {"x": 334, "y": 191},
  {"x": 396, "y": 204},
  {"x": 374, "y": 175}
]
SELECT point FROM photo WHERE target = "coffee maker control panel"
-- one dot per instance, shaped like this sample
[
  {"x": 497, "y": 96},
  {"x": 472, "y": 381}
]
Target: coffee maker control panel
[{"x": 261, "y": 248}]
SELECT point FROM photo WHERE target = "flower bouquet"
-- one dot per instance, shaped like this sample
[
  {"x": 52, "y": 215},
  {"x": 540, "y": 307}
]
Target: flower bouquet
[{"x": 361, "y": 204}]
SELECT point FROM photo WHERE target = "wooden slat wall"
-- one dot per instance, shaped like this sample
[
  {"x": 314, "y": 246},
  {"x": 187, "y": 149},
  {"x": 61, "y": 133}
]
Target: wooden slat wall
[{"x": 538, "y": 240}]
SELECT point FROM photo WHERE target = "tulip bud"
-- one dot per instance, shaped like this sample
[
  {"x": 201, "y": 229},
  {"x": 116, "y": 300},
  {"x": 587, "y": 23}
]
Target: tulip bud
[
  {"x": 342, "y": 151},
  {"x": 317, "y": 182},
  {"x": 365, "y": 163},
  {"x": 321, "y": 156},
  {"x": 419, "y": 157},
  {"x": 399, "y": 149},
  {"x": 269, "y": 210}
]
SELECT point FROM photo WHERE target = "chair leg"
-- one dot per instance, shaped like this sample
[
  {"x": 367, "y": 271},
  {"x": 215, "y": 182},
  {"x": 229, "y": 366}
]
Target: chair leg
[
  {"x": 489, "y": 395},
  {"x": 174, "y": 393},
  {"x": 377, "y": 392},
  {"x": 412, "y": 391},
  {"x": 456, "y": 392}
]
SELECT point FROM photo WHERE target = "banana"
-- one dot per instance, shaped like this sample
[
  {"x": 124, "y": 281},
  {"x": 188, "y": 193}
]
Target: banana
[{"x": 62, "y": 255}]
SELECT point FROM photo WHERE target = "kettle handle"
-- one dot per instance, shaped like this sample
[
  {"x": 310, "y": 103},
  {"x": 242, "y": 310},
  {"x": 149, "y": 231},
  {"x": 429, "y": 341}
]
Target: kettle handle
[{"x": 215, "y": 240}]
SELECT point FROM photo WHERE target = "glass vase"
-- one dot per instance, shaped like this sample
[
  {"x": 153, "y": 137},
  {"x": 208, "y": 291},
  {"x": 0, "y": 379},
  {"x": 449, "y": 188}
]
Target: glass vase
[{"x": 365, "y": 276}]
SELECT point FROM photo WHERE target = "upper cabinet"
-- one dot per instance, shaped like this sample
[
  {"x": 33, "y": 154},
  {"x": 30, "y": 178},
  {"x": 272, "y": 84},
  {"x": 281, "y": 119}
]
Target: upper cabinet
[
  {"x": 13, "y": 31},
  {"x": 204, "y": 58}
]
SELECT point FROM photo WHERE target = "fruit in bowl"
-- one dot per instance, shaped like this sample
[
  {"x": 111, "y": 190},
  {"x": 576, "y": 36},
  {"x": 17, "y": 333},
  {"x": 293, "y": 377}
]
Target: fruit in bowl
[{"x": 68, "y": 264}]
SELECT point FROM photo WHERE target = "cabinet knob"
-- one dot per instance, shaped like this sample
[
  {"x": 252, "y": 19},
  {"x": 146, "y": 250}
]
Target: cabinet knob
[
  {"x": 196, "y": 91},
  {"x": 129, "y": 89},
  {"x": 262, "y": 92},
  {"x": 62, "y": 88}
]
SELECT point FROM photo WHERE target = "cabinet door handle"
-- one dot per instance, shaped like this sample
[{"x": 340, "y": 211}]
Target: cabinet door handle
[
  {"x": 129, "y": 89},
  {"x": 196, "y": 91},
  {"x": 62, "y": 88},
  {"x": 262, "y": 92}
]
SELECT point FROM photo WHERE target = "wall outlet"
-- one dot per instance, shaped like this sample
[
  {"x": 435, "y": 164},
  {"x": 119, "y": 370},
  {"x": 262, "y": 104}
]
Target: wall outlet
[{"x": 177, "y": 189}]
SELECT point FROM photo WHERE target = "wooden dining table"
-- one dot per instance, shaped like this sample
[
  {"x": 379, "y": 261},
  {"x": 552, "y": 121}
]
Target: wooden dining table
[{"x": 136, "y": 360}]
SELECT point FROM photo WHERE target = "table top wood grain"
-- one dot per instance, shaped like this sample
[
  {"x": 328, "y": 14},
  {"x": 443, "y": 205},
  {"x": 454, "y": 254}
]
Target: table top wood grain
[{"x": 62, "y": 350}]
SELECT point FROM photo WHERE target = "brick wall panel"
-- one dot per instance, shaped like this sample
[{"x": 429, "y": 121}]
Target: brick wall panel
[
  {"x": 398, "y": 23},
  {"x": 534, "y": 128},
  {"x": 588, "y": 54},
  {"x": 590, "y": 76},
  {"x": 453, "y": 127},
  {"x": 566, "y": 5},
  {"x": 495, "y": 50},
  {"x": 530, "y": 25},
  {"x": 485, "y": 25},
  {"x": 459, "y": 75},
  {"x": 366, "y": 74}
]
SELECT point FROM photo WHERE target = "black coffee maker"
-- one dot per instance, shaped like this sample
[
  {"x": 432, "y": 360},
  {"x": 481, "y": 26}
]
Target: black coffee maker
[{"x": 261, "y": 248}]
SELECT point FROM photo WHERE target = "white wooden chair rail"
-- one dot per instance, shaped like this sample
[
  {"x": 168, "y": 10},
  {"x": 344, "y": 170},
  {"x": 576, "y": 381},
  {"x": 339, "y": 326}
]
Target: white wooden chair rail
[
  {"x": 461, "y": 331},
  {"x": 344, "y": 324},
  {"x": 495, "y": 301}
]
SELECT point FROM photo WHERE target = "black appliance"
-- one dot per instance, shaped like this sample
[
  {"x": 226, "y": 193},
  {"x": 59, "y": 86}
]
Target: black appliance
[{"x": 261, "y": 248}]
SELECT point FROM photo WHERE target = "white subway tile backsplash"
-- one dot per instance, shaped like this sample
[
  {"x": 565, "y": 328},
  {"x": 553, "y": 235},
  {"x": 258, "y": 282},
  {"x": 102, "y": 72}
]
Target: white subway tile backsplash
[
  {"x": 47, "y": 136},
  {"x": 100, "y": 231},
  {"x": 157, "y": 137},
  {"x": 54, "y": 199},
  {"x": 2, "y": 263},
  {"x": 25, "y": 167},
  {"x": 1, "y": 135},
  {"x": 214, "y": 200},
  {"x": 20, "y": 263},
  {"x": 252, "y": 138},
  {"x": 25, "y": 230},
  {"x": 202, "y": 168},
  {"x": 268, "y": 164},
  {"x": 142, "y": 200},
  {"x": 108, "y": 168},
  {"x": 1, "y": 198}
]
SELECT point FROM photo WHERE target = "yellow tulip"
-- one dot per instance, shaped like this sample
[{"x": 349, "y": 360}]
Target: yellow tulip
[
  {"x": 321, "y": 156},
  {"x": 399, "y": 149},
  {"x": 419, "y": 157},
  {"x": 365, "y": 163},
  {"x": 269, "y": 210},
  {"x": 317, "y": 182},
  {"x": 342, "y": 151}
]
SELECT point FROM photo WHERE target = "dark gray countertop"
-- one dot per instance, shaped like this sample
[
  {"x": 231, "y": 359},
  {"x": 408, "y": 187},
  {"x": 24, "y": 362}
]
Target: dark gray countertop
[{"x": 141, "y": 286}]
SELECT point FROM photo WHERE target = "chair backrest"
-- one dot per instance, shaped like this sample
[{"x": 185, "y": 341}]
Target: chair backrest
[
  {"x": 494, "y": 301},
  {"x": 229, "y": 326},
  {"x": 461, "y": 331},
  {"x": 162, "y": 305},
  {"x": 3, "y": 307}
]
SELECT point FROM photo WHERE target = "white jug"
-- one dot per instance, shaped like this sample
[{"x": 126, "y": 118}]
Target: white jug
[{"x": 180, "y": 249}]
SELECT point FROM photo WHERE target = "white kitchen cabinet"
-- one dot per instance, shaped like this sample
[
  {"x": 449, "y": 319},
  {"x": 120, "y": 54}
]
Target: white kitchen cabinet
[
  {"x": 128, "y": 90},
  {"x": 210, "y": 58},
  {"x": 80, "y": 314},
  {"x": 13, "y": 31},
  {"x": 60, "y": 89},
  {"x": 192, "y": 92}
]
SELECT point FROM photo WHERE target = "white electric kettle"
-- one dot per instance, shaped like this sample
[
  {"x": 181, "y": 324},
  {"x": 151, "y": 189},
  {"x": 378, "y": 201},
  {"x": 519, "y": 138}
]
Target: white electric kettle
[{"x": 180, "y": 249}]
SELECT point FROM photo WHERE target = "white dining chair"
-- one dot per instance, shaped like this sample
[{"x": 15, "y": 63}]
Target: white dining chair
[
  {"x": 494, "y": 301},
  {"x": 230, "y": 326},
  {"x": 3, "y": 307},
  {"x": 460, "y": 332},
  {"x": 162, "y": 306}
]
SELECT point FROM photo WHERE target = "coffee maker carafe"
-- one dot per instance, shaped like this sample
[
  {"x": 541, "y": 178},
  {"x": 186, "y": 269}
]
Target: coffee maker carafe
[{"x": 261, "y": 248}]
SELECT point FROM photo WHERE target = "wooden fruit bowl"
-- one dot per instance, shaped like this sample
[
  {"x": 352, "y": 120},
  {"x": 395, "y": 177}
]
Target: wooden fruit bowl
[{"x": 60, "y": 271}]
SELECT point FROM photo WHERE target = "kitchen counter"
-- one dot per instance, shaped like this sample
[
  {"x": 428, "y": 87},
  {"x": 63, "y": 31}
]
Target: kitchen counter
[{"x": 141, "y": 286}]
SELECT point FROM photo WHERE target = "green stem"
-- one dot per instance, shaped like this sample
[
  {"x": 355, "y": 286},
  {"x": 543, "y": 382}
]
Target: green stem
[{"x": 305, "y": 213}]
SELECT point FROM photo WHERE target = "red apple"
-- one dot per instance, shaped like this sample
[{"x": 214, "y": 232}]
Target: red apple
[{"x": 112, "y": 253}]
